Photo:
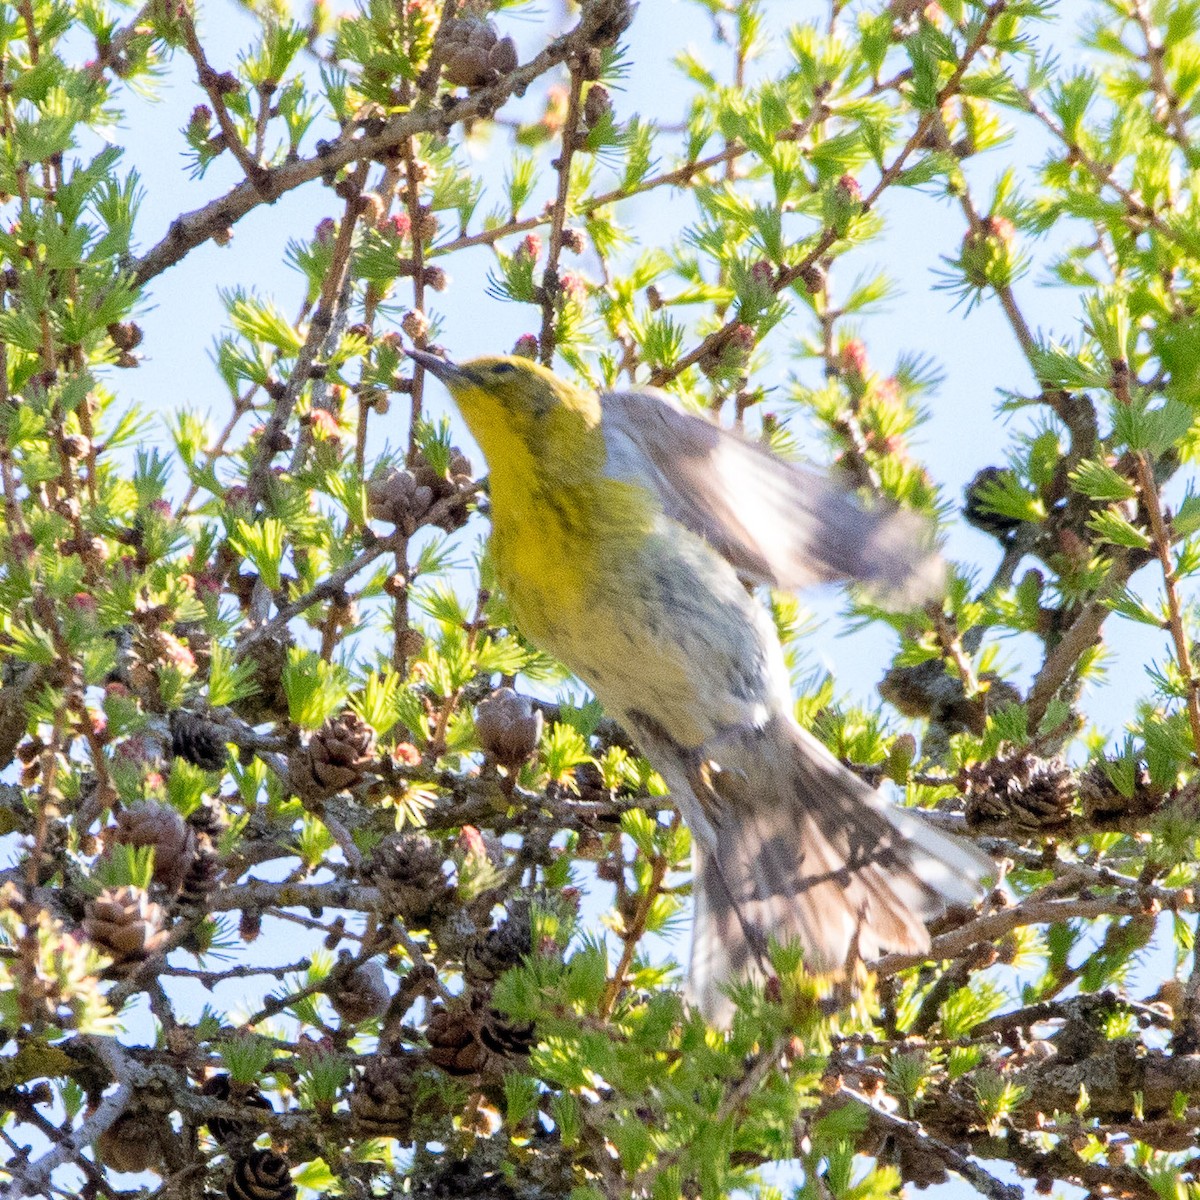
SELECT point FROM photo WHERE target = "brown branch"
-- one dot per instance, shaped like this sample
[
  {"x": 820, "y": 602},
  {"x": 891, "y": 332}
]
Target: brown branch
[
  {"x": 318, "y": 330},
  {"x": 193, "y": 228},
  {"x": 1082, "y": 633},
  {"x": 637, "y": 926},
  {"x": 1034, "y": 911},
  {"x": 1139, "y": 213},
  {"x": 551, "y": 286},
  {"x": 32, "y": 1180},
  {"x": 911, "y": 1131},
  {"x": 678, "y": 177},
  {"x": 336, "y": 582},
  {"x": 212, "y": 82},
  {"x": 1167, "y": 107},
  {"x": 241, "y": 406},
  {"x": 1089, "y": 1007},
  {"x": 1162, "y": 547},
  {"x": 412, "y": 202},
  {"x": 754, "y": 1073}
]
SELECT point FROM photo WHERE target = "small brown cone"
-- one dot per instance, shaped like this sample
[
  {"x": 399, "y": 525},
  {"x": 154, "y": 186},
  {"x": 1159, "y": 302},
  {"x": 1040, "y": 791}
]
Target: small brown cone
[
  {"x": 336, "y": 757},
  {"x": 126, "y": 925},
  {"x": 132, "y": 1143},
  {"x": 361, "y": 993},
  {"x": 268, "y": 702},
  {"x": 1019, "y": 789},
  {"x": 453, "y": 1044},
  {"x": 469, "y": 46},
  {"x": 505, "y": 1038},
  {"x": 384, "y": 1096},
  {"x": 198, "y": 741},
  {"x": 488, "y": 957},
  {"x": 153, "y": 652},
  {"x": 157, "y": 825},
  {"x": 508, "y": 727},
  {"x": 202, "y": 876},
  {"x": 475, "y": 1039},
  {"x": 502, "y": 57},
  {"x": 596, "y": 105},
  {"x": 395, "y": 497},
  {"x": 1103, "y": 801},
  {"x": 209, "y": 819},
  {"x": 226, "y": 1129},
  {"x": 262, "y": 1175},
  {"x": 408, "y": 869}
]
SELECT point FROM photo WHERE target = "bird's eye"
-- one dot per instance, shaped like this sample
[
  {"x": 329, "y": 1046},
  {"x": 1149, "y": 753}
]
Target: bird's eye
[{"x": 503, "y": 369}]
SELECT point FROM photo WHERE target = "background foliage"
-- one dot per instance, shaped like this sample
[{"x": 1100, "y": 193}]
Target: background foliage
[{"x": 298, "y": 893}]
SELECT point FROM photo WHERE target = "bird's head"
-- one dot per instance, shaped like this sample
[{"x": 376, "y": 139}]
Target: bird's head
[{"x": 513, "y": 404}]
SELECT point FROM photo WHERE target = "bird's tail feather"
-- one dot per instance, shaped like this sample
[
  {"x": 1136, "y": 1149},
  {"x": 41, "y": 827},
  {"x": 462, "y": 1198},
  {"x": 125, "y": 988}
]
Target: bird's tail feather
[{"x": 804, "y": 850}]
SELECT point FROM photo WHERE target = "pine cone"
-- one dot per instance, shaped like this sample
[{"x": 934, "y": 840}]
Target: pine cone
[
  {"x": 476, "y": 1039},
  {"x": 918, "y": 1165},
  {"x": 361, "y": 994},
  {"x": 473, "y": 1178},
  {"x": 475, "y": 53},
  {"x": 268, "y": 702},
  {"x": 926, "y": 690},
  {"x": 395, "y": 497},
  {"x": 126, "y": 925},
  {"x": 489, "y": 956},
  {"x": 504, "y": 1037},
  {"x": 1021, "y": 789},
  {"x": 597, "y": 104},
  {"x": 152, "y": 652},
  {"x": 227, "y": 1129},
  {"x": 590, "y": 785},
  {"x": 198, "y": 640},
  {"x": 502, "y": 57},
  {"x": 453, "y": 1042},
  {"x": 203, "y": 875},
  {"x": 197, "y": 740},
  {"x": 1103, "y": 801},
  {"x": 977, "y": 513},
  {"x": 132, "y": 1143},
  {"x": 407, "y": 867},
  {"x": 263, "y": 1175},
  {"x": 508, "y": 727},
  {"x": 384, "y": 1096},
  {"x": 336, "y": 757},
  {"x": 157, "y": 825},
  {"x": 209, "y": 818}
]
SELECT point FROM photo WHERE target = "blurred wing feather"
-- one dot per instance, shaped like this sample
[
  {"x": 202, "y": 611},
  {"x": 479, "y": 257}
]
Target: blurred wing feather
[{"x": 776, "y": 523}]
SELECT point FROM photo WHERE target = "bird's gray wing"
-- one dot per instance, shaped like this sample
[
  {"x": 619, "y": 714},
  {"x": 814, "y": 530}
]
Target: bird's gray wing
[{"x": 777, "y": 523}]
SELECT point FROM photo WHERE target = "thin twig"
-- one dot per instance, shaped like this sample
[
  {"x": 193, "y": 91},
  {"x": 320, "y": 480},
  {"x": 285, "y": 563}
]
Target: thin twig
[
  {"x": 211, "y": 80},
  {"x": 911, "y": 1131},
  {"x": 318, "y": 331},
  {"x": 829, "y": 235},
  {"x": 551, "y": 285},
  {"x": 1162, "y": 547},
  {"x": 193, "y": 228},
  {"x": 35, "y": 1178},
  {"x": 634, "y": 932},
  {"x": 1035, "y": 911},
  {"x": 1082, "y": 633}
]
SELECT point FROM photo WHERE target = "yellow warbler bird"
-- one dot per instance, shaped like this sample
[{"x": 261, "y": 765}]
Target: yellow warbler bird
[{"x": 623, "y": 533}]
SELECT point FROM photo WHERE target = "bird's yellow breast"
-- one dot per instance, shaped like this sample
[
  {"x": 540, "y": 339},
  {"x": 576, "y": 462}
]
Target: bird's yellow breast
[
  {"x": 554, "y": 546},
  {"x": 644, "y": 612}
]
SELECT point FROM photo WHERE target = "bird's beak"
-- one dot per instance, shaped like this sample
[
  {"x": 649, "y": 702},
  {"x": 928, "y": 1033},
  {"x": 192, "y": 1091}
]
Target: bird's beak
[{"x": 439, "y": 368}]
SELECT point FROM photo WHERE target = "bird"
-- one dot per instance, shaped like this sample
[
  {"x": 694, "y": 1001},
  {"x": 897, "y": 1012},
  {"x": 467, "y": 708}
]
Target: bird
[{"x": 629, "y": 537}]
